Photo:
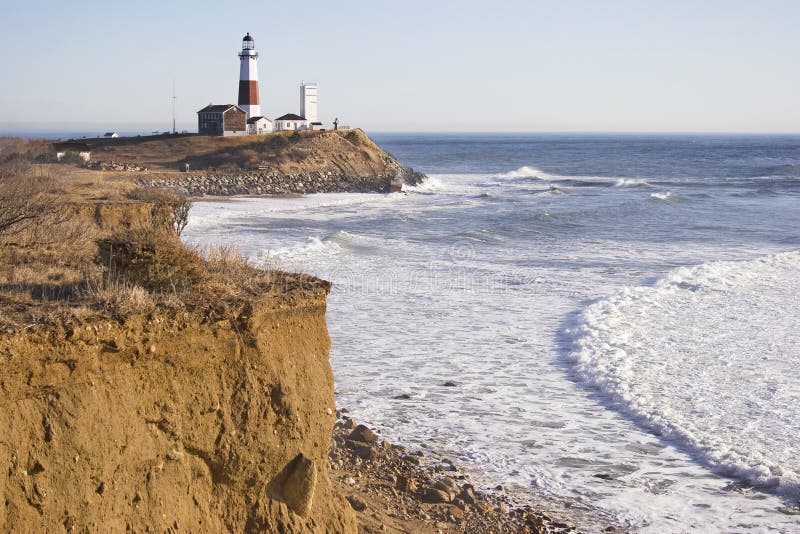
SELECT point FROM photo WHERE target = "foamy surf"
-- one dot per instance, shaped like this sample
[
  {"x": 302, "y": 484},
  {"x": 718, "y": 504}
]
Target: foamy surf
[
  {"x": 667, "y": 196},
  {"x": 630, "y": 182},
  {"x": 526, "y": 172},
  {"x": 707, "y": 358},
  {"x": 313, "y": 246}
]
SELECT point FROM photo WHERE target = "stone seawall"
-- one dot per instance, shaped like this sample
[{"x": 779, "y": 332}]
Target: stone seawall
[{"x": 262, "y": 183}]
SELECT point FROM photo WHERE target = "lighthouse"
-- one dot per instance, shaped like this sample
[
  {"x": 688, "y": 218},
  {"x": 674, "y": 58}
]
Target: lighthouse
[{"x": 248, "y": 78}]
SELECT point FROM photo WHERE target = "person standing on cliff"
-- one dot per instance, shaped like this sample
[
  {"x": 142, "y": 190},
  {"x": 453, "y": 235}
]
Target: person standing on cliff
[{"x": 336, "y": 123}]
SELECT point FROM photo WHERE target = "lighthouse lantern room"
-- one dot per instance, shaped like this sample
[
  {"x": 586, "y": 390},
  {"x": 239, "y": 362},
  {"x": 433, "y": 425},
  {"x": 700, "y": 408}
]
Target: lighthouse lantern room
[{"x": 248, "y": 78}]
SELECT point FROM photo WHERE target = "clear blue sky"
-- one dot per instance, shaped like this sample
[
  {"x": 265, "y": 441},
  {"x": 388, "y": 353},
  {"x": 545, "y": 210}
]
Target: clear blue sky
[{"x": 513, "y": 65}]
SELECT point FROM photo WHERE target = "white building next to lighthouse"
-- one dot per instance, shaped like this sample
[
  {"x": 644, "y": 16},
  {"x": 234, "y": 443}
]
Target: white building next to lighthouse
[{"x": 308, "y": 105}]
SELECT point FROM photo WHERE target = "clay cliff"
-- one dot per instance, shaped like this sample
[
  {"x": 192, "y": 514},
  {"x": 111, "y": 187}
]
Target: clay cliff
[{"x": 149, "y": 388}]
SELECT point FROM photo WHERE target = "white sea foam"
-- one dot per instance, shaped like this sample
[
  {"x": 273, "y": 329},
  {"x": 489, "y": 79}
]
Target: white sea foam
[
  {"x": 313, "y": 246},
  {"x": 707, "y": 357},
  {"x": 429, "y": 185},
  {"x": 630, "y": 182},
  {"x": 527, "y": 172},
  {"x": 667, "y": 196}
]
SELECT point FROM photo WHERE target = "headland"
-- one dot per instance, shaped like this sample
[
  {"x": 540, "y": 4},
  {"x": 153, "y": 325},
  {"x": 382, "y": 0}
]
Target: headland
[{"x": 275, "y": 163}]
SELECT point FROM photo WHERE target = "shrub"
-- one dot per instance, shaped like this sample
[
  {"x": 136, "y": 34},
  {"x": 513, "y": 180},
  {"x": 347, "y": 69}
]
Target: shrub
[
  {"x": 155, "y": 260},
  {"x": 29, "y": 150},
  {"x": 278, "y": 142},
  {"x": 26, "y": 199},
  {"x": 178, "y": 203},
  {"x": 353, "y": 137}
]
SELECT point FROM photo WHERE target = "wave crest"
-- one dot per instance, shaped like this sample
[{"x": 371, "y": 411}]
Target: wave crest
[
  {"x": 702, "y": 359},
  {"x": 630, "y": 182}
]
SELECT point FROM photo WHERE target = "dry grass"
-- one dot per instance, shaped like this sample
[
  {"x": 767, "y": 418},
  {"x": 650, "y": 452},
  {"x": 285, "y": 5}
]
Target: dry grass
[
  {"x": 122, "y": 300},
  {"x": 122, "y": 258},
  {"x": 276, "y": 149}
]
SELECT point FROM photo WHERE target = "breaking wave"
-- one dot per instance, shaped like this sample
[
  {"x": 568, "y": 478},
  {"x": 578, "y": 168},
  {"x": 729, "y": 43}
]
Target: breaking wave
[
  {"x": 630, "y": 182},
  {"x": 707, "y": 358},
  {"x": 667, "y": 196}
]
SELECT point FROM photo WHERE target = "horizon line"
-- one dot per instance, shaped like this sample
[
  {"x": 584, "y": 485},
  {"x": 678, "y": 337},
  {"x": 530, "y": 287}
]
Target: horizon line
[{"x": 8, "y": 130}]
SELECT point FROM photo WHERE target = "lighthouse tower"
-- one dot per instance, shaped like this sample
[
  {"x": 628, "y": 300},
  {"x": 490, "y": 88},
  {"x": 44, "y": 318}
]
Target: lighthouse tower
[{"x": 248, "y": 78}]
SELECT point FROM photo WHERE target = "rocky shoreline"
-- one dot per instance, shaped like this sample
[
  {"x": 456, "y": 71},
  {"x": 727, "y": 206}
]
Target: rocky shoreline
[
  {"x": 395, "y": 490},
  {"x": 264, "y": 183}
]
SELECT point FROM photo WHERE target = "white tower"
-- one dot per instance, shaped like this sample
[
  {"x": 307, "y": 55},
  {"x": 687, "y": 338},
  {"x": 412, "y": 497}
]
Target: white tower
[
  {"x": 248, "y": 78},
  {"x": 308, "y": 101}
]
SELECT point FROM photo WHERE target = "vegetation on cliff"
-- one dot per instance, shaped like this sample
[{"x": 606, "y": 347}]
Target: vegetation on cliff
[{"x": 287, "y": 152}]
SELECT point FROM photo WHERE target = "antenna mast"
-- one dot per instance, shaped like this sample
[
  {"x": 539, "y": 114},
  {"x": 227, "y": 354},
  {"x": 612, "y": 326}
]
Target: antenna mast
[{"x": 174, "y": 130}]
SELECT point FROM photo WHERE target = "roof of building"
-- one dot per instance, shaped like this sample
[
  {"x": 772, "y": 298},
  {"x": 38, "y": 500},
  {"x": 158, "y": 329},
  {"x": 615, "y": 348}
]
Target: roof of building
[
  {"x": 218, "y": 108},
  {"x": 109, "y": 134},
  {"x": 290, "y": 117},
  {"x": 316, "y": 123},
  {"x": 248, "y": 37},
  {"x": 251, "y": 120}
]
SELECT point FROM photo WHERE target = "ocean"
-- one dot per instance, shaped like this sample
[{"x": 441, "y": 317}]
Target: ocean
[{"x": 606, "y": 325}]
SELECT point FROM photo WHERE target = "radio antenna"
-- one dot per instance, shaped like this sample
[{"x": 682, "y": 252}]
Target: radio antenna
[{"x": 174, "y": 130}]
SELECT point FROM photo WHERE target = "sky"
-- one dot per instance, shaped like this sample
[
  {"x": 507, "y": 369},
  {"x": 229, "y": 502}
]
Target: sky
[{"x": 508, "y": 65}]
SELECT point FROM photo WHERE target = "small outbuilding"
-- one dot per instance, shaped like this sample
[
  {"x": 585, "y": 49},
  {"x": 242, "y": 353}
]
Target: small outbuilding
[
  {"x": 72, "y": 149},
  {"x": 222, "y": 119},
  {"x": 259, "y": 125},
  {"x": 290, "y": 121},
  {"x": 111, "y": 135}
]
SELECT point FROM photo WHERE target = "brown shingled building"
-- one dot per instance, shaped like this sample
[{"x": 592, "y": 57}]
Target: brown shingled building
[{"x": 222, "y": 119}]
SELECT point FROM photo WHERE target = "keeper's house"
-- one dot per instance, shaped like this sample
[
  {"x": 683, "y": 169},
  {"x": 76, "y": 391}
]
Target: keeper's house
[
  {"x": 222, "y": 119},
  {"x": 290, "y": 121}
]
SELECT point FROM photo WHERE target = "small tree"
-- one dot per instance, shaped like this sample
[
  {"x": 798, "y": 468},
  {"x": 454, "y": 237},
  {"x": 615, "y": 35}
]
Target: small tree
[{"x": 180, "y": 213}]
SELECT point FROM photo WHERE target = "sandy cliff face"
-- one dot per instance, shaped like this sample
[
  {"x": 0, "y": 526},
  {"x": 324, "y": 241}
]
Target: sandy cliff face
[{"x": 171, "y": 424}]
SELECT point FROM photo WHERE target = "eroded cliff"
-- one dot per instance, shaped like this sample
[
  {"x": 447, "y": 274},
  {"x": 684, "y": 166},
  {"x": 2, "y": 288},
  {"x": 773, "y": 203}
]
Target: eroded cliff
[
  {"x": 145, "y": 387},
  {"x": 171, "y": 423}
]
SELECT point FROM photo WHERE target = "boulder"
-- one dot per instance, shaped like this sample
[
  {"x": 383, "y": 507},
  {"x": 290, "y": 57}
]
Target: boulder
[
  {"x": 447, "y": 485},
  {"x": 467, "y": 494},
  {"x": 435, "y": 496},
  {"x": 366, "y": 452},
  {"x": 356, "y": 504},
  {"x": 298, "y": 488},
  {"x": 364, "y": 434},
  {"x": 406, "y": 484}
]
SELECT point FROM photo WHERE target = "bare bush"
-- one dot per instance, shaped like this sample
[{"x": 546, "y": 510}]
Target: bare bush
[
  {"x": 27, "y": 200},
  {"x": 21, "y": 149},
  {"x": 178, "y": 203}
]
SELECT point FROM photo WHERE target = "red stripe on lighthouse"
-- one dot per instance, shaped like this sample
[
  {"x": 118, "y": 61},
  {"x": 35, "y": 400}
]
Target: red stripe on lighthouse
[{"x": 248, "y": 93}]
